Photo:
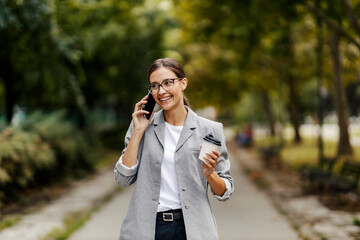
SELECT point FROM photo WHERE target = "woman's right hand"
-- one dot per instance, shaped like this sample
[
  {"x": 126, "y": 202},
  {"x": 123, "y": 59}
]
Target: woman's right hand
[
  {"x": 140, "y": 123},
  {"x": 139, "y": 120}
]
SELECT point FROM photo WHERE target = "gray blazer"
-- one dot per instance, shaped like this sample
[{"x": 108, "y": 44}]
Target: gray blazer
[{"x": 140, "y": 219}]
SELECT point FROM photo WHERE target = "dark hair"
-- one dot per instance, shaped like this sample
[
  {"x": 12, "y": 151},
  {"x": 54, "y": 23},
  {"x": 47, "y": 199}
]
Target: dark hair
[{"x": 171, "y": 64}]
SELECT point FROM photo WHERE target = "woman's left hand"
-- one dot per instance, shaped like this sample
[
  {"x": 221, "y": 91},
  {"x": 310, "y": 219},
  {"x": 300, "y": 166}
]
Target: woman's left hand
[{"x": 210, "y": 162}]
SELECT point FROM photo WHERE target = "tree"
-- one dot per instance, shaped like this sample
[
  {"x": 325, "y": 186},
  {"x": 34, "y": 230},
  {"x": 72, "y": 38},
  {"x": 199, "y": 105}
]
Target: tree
[
  {"x": 344, "y": 146},
  {"x": 23, "y": 29},
  {"x": 243, "y": 33},
  {"x": 335, "y": 11},
  {"x": 81, "y": 55}
]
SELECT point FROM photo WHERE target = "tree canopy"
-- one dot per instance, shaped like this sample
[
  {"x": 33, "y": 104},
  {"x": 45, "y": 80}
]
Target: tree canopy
[{"x": 90, "y": 54}]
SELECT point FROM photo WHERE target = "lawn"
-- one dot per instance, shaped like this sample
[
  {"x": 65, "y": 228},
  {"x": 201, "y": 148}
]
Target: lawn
[{"x": 306, "y": 152}]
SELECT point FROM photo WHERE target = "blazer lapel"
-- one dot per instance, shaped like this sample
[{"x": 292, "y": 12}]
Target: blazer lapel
[
  {"x": 189, "y": 126},
  {"x": 159, "y": 128}
]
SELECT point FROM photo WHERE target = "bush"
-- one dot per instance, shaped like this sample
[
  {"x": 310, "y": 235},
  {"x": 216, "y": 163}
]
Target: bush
[
  {"x": 113, "y": 138},
  {"x": 73, "y": 148},
  {"x": 45, "y": 148},
  {"x": 21, "y": 153}
]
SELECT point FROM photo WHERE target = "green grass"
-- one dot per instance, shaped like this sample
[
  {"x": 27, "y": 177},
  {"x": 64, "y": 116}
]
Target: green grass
[
  {"x": 266, "y": 141},
  {"x": 356, "y": 222},
  {"x": 306, "y": 152},
  {"x": 76, "y": 220},
  {"x": 72, "y": 222},
  {"x": 9, "y": 221}
]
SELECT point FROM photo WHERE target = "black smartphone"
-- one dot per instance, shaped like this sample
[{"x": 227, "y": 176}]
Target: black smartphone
[{"x": 149, "y": 106}]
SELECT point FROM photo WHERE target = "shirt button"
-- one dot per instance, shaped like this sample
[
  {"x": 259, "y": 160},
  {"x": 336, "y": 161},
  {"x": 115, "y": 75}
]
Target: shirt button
[
  {"x": 187, "y": 206},
  {"x": 183, "y": 188}
]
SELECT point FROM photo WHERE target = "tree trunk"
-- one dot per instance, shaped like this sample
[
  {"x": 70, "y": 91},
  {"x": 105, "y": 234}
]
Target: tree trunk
[
  {"x": 344, "y": 147},
  {"x": 268, "y": 110},
  {"x": 79, "y": 99},
  {"x": 7, "y": 75},
  {"x": 9, "y": 86},
  {"x": 290, "y": 80},
  {"x": 9, "y": 101},
  {"x": 319, "y": 75},
  {"x": 294, "y": 116}
]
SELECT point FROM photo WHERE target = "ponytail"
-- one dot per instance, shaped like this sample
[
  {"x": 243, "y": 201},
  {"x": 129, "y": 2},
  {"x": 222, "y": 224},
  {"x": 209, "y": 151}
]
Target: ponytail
[{"x": 186, "y": 102}]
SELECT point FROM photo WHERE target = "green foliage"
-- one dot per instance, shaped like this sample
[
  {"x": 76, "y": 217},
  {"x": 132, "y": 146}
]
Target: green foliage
[
  {"x": 86, "y": 55},
  {"x": 236, "y": 47},
  {"x": 21, "y": 154},
  {"x": 249, "y": 103},
  {"x": 356, "y": 222},
  {"x": 81, "y": 54},
  {"x": 72, "y": 148},
  {"x": 43, "y": 149}
]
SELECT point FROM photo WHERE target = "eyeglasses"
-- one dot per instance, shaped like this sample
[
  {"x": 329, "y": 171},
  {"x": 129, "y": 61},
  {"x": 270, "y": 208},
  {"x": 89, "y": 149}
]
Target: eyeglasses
[{"x": 166, "y": 84}]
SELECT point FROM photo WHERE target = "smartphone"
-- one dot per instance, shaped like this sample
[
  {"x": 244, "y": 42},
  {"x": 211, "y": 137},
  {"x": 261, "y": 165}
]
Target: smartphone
[{"x": 149, "y": 106}]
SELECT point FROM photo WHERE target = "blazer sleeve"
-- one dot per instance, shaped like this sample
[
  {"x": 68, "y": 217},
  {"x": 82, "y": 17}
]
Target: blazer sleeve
[
  {"x": 223, "y": 166},
  {"x": 124, "y": 175}
]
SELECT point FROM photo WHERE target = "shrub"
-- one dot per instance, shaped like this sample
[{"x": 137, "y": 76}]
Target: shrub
[
  {"x": 22, "y": 154},
  {"x": 73, "y": 149},
  {"x": 44, "y": 148}
]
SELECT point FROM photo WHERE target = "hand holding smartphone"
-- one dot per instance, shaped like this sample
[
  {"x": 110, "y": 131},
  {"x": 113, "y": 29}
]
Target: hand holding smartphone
[{"x": 149, "y": 106}]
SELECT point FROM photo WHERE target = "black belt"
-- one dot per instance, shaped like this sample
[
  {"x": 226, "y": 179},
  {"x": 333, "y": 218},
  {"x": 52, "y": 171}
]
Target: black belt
[{"x": 171, "y": 215}]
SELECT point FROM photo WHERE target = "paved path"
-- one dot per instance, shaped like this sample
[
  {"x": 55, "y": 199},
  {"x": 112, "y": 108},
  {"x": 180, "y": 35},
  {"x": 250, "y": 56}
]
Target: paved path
[
  {"x": 83, "y": 196},
  {"x": 106, "y": 223},
  {"x": 247, "y": 215}
]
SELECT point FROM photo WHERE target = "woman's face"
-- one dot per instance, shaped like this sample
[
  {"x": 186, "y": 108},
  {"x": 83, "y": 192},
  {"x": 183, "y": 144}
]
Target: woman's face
[{"x": 172, "y": 98}]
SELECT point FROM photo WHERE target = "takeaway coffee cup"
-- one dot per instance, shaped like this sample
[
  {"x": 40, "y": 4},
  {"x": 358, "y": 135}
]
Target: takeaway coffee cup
[{"x": 209, "y": 144}]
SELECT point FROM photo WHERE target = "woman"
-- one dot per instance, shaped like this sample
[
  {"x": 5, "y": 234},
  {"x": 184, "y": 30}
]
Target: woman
[{"x": 170, "y": 198}]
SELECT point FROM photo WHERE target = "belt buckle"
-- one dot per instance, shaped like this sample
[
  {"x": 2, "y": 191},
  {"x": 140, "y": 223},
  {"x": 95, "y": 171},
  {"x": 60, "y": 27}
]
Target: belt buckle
[{"x": 168, "y": 217}]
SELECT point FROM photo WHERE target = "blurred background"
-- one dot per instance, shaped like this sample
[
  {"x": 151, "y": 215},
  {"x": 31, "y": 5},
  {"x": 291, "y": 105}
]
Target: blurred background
[{"x": 281, "y": 75}]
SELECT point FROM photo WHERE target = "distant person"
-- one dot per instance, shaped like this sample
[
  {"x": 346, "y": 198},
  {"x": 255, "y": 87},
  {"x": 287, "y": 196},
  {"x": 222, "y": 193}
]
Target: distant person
[
  {"x": 170, "y": 198},
  {"x": 245, "y": 138}
]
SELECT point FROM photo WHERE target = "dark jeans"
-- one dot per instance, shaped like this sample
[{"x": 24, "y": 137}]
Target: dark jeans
[{"x": 174, "y": 230}]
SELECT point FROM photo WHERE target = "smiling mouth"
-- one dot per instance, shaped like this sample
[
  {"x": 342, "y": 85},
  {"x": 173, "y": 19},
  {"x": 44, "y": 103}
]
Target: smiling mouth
[{"x": 165, "y": 98}]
